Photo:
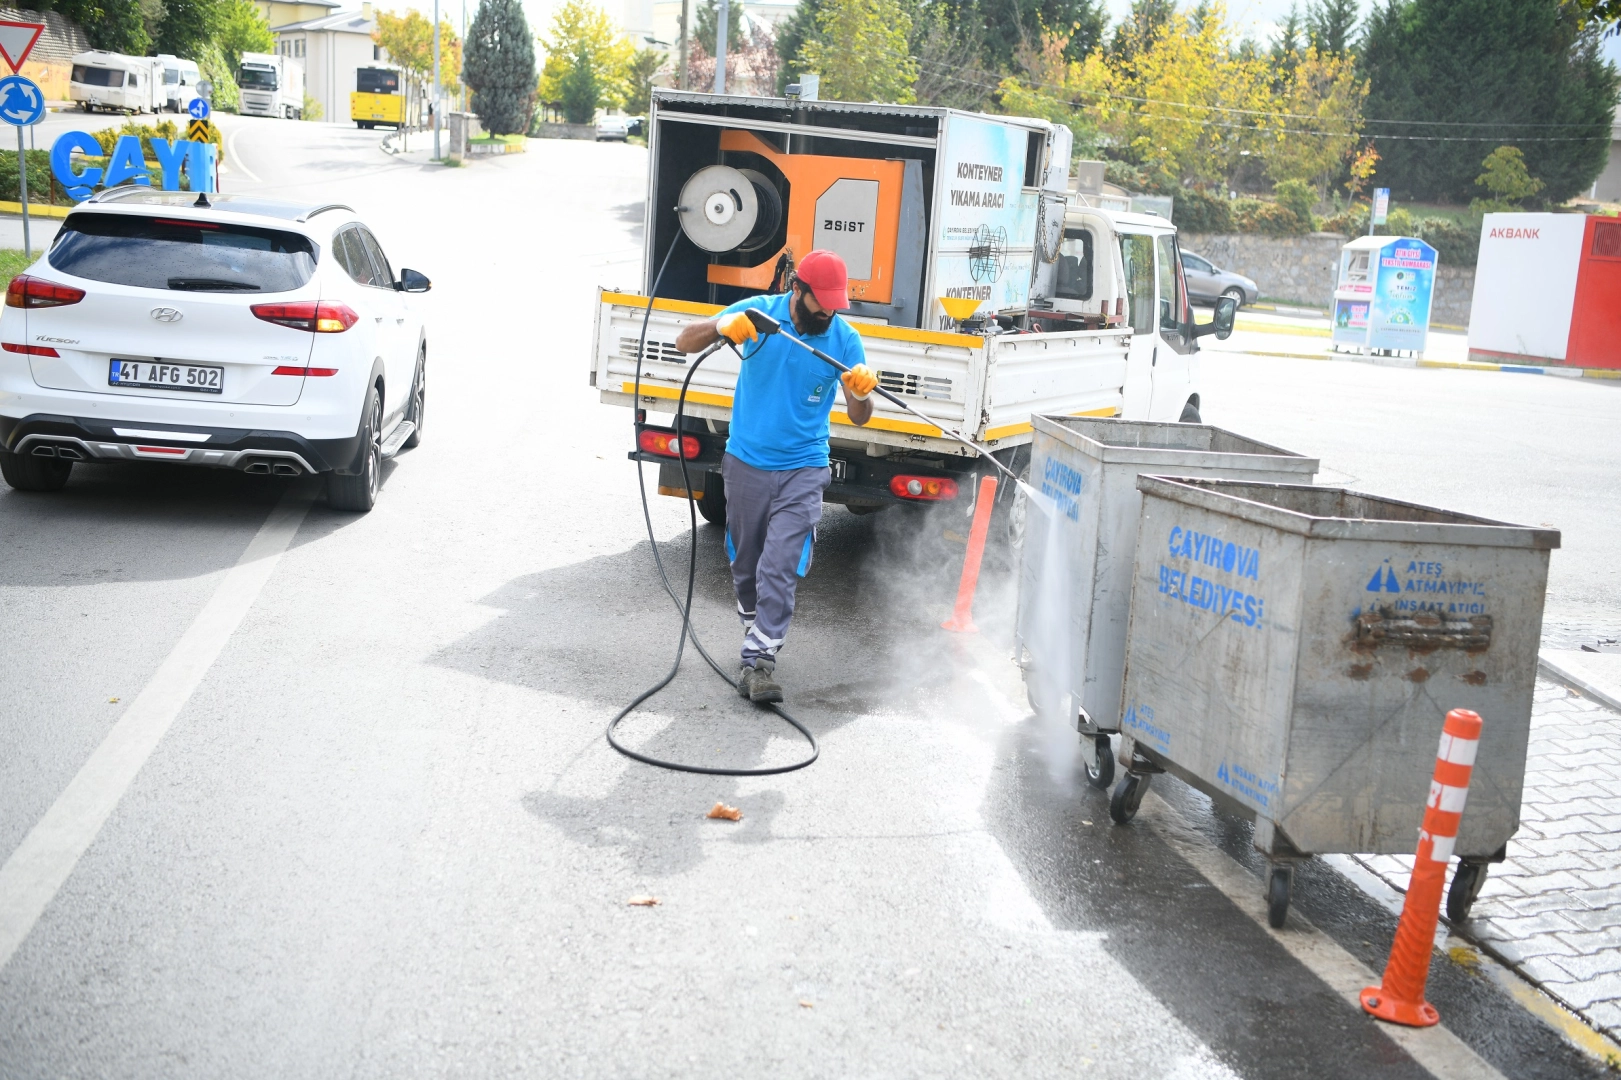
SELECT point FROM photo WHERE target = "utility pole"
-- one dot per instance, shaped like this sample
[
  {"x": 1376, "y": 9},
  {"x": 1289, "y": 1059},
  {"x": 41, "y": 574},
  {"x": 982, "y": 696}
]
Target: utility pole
[
  {"x": 720, "y": 45},
  {"x": 681, "y": 51},
  {"x": 436, "y": 102}
]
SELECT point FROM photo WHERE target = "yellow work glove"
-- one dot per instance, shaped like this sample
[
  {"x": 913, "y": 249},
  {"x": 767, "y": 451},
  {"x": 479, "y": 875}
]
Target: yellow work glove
[
  {"x": 859, "y": 381},
  {"x": 736, "y": 328}
]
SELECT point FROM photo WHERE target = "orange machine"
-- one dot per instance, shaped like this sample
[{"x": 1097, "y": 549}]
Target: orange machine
[{"x": 847, "y": 205}]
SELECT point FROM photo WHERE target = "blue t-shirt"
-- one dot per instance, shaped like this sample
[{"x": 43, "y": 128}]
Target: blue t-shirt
[{"x": 784, "y": 394}]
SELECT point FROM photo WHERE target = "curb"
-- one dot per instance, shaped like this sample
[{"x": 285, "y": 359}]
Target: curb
[
  {"x": 40, "y": 210},
  {"x": 1413, "y": 362},
  {"x": 1575, "y": 682}
]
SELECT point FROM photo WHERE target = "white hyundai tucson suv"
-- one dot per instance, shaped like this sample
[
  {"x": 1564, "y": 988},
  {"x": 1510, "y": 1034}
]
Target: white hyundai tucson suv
[{"x": 225, "y": 331}]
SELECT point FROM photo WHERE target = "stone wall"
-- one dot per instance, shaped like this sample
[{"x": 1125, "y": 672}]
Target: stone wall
[
  {"x": 1302, "y": 270},
  {"x": 567, "y": 131}
]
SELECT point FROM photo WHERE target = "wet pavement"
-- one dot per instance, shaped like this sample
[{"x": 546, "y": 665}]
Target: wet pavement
[{"x": 383, "y": 835}]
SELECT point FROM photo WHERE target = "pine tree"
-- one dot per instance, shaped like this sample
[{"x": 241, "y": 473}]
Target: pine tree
[
  {"x": 1468, "y": 75},
  {"x": 579, "y": 89},
  {"x": 499, "y": 67},
  {"x": 1330, "y": 25}
]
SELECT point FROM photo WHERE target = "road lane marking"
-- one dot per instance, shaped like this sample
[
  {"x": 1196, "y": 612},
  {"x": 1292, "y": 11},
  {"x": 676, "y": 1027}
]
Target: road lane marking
[
  {"x": 1438, "y": 1050},
  {"x": 36, "y": 871},
  {"x": 236, "y": 158}
]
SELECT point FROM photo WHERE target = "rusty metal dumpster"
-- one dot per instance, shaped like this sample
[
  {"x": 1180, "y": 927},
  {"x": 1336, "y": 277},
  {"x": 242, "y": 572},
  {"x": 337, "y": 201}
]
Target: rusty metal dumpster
[
  {"x": 1293, "y": 651},
  {"x": 1088, "y": 468}
]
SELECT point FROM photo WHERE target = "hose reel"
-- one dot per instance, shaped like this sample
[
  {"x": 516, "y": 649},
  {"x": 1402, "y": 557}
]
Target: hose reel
[{"x": 723, "y": 209}]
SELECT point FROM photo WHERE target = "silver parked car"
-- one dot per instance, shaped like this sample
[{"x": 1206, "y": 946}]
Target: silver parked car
[
  {"x": 612, "y": 128},
  {"x": 1209, "y": 282}
]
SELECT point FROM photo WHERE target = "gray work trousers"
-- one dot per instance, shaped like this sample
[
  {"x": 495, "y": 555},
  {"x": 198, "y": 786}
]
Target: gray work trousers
[{"x": 770, "y": 530}]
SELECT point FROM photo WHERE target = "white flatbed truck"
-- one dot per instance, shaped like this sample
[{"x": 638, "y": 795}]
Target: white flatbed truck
[{"x": 1095, "y": 321}]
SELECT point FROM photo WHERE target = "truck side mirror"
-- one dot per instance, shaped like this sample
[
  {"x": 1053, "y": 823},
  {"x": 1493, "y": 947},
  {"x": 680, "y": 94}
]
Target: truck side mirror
[{"x": 1222, "y": 324}]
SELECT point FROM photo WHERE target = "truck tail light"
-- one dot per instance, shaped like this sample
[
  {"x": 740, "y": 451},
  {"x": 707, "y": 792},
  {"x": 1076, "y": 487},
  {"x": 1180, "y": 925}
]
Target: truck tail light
[
  {"x": 923, "y": 488},
  {"x": 33, "y": 292},
  {"x": 663, "y": 443},
  {"x": 307, "y": 315},
  {"x": 30, "y": 350}
]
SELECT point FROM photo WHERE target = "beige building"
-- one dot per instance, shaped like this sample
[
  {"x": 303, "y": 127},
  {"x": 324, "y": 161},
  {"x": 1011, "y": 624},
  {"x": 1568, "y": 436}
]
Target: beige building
[{"x": 333, "y": 45}]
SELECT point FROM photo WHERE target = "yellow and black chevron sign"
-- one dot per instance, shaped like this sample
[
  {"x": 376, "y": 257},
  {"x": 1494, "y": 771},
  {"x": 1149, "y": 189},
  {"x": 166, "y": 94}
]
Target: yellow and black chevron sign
[{"x": 197, "y": 131}]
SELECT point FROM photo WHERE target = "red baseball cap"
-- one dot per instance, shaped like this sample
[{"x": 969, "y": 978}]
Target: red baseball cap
[{"x": 825, "y": 274}]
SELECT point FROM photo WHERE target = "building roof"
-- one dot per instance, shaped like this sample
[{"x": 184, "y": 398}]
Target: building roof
[{"x": 341, "y": 22}]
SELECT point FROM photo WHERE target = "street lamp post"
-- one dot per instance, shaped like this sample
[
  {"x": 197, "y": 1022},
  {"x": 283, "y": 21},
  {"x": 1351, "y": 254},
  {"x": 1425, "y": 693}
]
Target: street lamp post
[
  {"x": 681, "y": 53},
  {"x": 720, "y": 45},
  {"x": 435, "y": 105}
]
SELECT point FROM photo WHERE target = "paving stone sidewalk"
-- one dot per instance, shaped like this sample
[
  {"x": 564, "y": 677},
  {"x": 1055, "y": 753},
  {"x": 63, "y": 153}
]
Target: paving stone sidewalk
[{"x": 1552, "y": 910}]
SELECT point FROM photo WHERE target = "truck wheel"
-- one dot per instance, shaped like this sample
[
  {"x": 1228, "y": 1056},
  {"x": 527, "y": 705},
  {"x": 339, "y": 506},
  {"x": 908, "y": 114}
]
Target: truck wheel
[
  {"x": 713, "y": 505},
  {"x": 28, "y": 473}
]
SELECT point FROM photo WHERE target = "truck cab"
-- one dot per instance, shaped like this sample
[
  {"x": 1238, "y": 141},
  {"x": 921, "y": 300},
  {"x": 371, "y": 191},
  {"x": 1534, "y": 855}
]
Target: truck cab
[
  {"x": 1116, "y": 268},
  {"x": 272, "y": 85}
]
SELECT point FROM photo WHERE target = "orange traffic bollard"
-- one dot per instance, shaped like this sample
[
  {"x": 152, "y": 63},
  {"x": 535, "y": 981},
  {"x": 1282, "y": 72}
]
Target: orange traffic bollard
[
  {"x": 1400, "y": 997},
  {"x": 962, "y": 619}
]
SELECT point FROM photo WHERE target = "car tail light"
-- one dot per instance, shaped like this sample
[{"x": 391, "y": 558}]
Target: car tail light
[
  {"x": 318, "y": 372},
  {"x": 924, "y": 488},
  {"x": 29, "y": 350},
  {"x": 663, "y": 443},
  {"x": 308, "y": 315},
  {"x": 33, "y": 292}
]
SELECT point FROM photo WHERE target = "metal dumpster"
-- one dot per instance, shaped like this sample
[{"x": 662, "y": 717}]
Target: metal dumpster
[
  {"x": 1293, "y": 652},
  {"x": 1088, "y": 468}
]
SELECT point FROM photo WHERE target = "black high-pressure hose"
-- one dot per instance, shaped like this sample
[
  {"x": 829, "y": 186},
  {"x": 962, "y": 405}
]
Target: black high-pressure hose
[{"x": 685, "y": 608}]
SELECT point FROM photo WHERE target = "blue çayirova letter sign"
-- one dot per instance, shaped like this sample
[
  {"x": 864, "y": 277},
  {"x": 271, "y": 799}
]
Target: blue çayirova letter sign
[{"x": 126, "y": 163}]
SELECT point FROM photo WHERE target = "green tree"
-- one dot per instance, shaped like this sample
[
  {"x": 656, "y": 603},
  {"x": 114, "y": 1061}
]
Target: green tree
[
  {"x": 707, "y": 15},
  {"x": 188, "y": 26},
  {"x": 499, "y": 67},
  {"x": 1330, "y": 25},
  {"x": 408, "y": 40},
  {"x": 115, "y": 25},
  {"x": 792, "y": 33},
  {"x": 861, "y": 51},
  {"x": 639, "y": 80},
  {"x": 1139, "y": 31},
  {"x": 211, "y": 62},
  {"x": 578, "y": 89},
  {"x": 1286, "y": 49},
  {"x": 1467, "y": 74},
  {"x": 242, "y": 29},
  {"x": 580, "y": 28},
  {"x": 1508, "y": 180}
]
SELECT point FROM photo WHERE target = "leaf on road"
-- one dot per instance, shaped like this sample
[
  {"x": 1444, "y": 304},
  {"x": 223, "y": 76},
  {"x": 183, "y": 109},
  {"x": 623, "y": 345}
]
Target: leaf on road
[
  {"x": 643, "y": 901},
  {"x": 803, "y": 1004},
  {"x": 723, "y": 812}
]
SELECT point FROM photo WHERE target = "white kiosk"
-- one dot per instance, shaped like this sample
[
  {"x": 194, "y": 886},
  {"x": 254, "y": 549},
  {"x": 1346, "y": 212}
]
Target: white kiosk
[{"x": 1382, "y": 300}]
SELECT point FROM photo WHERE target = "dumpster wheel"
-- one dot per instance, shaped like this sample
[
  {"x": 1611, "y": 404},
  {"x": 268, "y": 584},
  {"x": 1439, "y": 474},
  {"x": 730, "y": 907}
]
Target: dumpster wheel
[
  {"x": 1127, "y": 797},
  {"x": 1100, "y": 771},
  {"x": 1278, "y": 888},
  {"x": 1466, "y": 885}
]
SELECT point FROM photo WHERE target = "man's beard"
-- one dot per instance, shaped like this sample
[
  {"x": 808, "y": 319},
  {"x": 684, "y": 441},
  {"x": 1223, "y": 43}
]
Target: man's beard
[{"x": 808, "y": 323}]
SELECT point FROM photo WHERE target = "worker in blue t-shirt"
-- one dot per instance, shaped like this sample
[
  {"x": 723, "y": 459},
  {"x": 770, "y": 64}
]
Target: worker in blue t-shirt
[{"x": 775, "y": 468}]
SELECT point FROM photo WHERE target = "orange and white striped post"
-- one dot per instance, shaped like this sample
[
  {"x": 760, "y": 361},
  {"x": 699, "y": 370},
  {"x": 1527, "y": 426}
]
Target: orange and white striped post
[
  {"x": 1400, "y": 997},
  {"x": 962, "y": 617}
]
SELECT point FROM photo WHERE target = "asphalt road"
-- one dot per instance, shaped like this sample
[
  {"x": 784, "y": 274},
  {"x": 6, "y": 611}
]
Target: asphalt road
[{"x": 374, "y": 830}]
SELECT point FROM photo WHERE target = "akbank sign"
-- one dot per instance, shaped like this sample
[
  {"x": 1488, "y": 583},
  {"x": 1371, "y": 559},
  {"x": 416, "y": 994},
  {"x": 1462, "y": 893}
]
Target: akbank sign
[{"x": 126, "y": 163}]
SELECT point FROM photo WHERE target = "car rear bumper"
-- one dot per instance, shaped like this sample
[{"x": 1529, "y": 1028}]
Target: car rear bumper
[{"x": 77, "y": 438}]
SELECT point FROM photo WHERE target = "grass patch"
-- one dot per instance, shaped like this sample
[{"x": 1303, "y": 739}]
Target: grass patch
[
  {"x": 1458, "y": 215},
  {"x": 13, "y": 263},
  {"x": 508, "y": 139}
]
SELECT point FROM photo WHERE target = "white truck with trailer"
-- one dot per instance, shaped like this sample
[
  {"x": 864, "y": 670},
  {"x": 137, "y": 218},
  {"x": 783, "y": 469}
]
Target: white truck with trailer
[
  {"x": 112, "y": 82},
  {"x": 981, "y": 293},
  {"x": 271, "y": 85}
]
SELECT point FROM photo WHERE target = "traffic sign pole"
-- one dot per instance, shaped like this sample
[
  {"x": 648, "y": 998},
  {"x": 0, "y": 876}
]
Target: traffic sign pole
[{"x": 22, "y": 174}]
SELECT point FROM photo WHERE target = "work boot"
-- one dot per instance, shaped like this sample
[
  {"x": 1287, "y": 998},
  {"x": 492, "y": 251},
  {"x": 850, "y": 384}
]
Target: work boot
[{"x": 756, "y": 683}]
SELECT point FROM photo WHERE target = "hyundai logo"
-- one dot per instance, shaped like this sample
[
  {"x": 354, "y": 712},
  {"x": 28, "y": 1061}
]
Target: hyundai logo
[{"x": 166, "y": 314}]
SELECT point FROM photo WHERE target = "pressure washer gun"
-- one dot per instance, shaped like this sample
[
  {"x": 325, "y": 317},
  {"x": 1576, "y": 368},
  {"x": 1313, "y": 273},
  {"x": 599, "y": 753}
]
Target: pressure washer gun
[{"x": 765, "y": 325}]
